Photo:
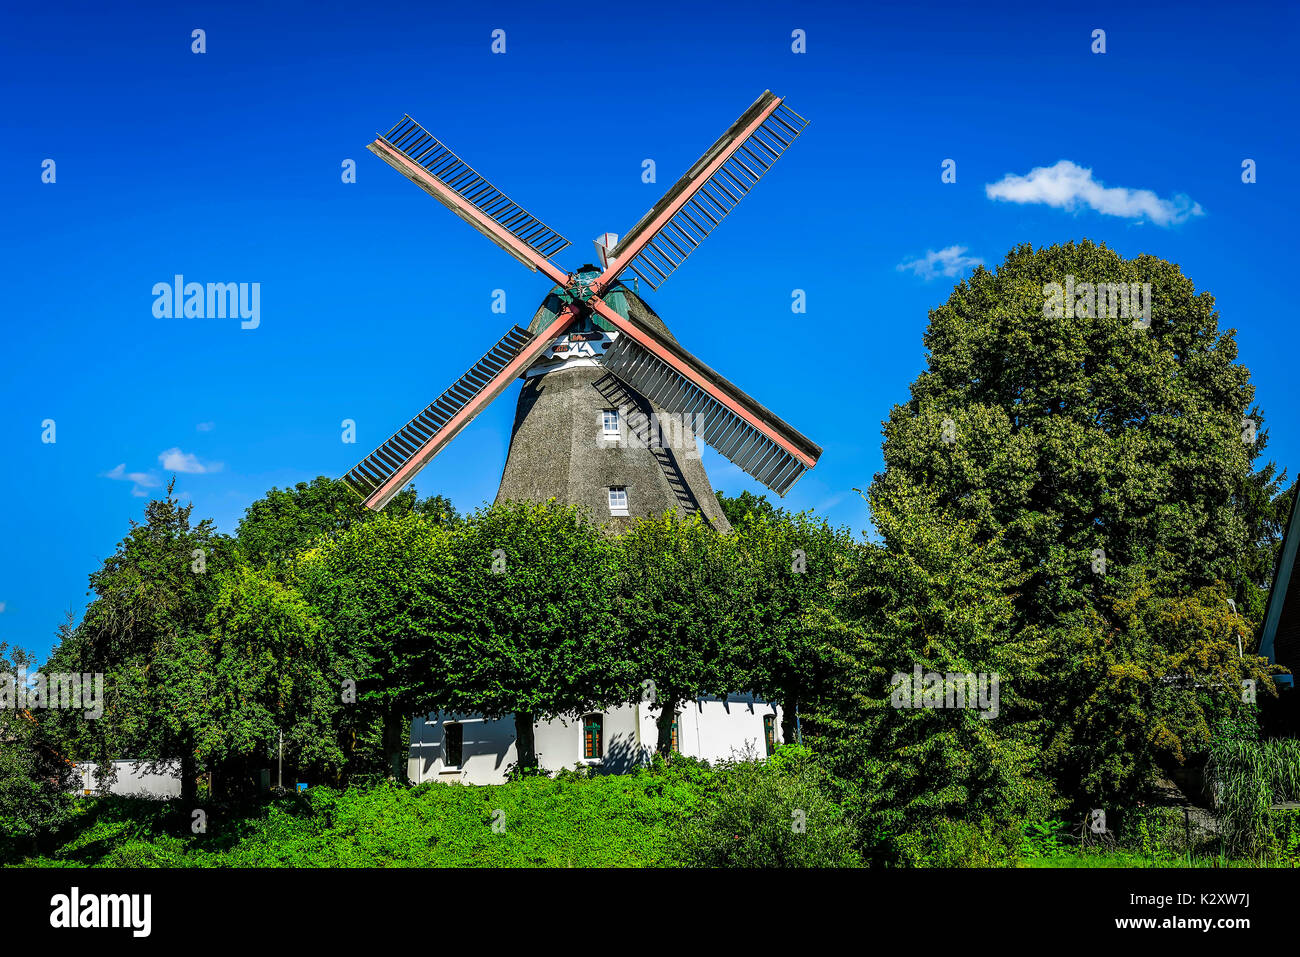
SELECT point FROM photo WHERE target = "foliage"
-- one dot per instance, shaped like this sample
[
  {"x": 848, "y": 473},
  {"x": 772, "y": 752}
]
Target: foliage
[
  {"x": 1049, "y": 838},
  {"x": 632, "y": 820},
  {"x": 35, "y": 779},
  {"x": 789, "y": 565},
  {"x": 385, "y": 590},
  {"x": 747, "y": 506},
  {"x": 1246, "y": 779},
  {"x": 1079, "y": 437},
  {"x": 265, "y": 669},
  {"x": 944, "y": 842},
  {"x": 143, "y": 631},
  {"x": 1144, "y": 686},
  {"x": 285, "y": 522},
  {"x": 680, "y": 599},
  {"x": 536, "y": 636},
  {"x": 779, "y": 813},
  {"x": 931, "y": 597}
]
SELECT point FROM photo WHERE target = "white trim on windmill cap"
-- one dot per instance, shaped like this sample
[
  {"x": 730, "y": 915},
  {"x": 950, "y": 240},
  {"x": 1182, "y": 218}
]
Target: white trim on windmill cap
[{"x": 604, "y": 243}]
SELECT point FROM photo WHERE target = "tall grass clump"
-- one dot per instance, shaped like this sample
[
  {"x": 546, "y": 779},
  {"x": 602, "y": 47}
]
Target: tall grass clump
[{"x": 1246, "y": 779}]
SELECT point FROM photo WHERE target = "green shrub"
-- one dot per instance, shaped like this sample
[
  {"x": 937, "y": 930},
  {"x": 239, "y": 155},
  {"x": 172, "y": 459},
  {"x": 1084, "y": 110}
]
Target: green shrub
[
  {"x": 948, "y": 843},
  {"x": 1045, "y": 839},
  {"x": 780, "y": 813}
]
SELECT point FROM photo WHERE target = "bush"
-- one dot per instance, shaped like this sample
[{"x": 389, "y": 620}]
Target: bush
[
  {"x": 776, "y": 814},
  {"x": 947, "y": 843}
]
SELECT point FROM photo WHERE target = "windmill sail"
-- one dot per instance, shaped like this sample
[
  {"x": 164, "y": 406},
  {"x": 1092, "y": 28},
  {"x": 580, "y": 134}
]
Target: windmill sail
[
  {"x": 383, "y": 473},
  {"x": 711, "y": 189},
  {"x": 416, "y": 153},
  {"x": 775, "y": 453}
]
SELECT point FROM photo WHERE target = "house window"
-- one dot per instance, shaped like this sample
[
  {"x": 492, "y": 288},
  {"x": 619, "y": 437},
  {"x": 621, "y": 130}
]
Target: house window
[
  {"x": 593, "y": 739},
  {"x": 769, "y": 732},
  {"x": 453, "y": 737},
  {"x": 609, "y": 423},
  {"x": 672, "y": 745},
  {"x": 618, "y": 500}
]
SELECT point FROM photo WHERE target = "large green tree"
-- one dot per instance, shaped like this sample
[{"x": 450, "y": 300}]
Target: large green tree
[
  {"x": 930, "y": 598},
  {"x": 1115, "y": 462},
  {"x": 682, "y": 599},
  {"x": 267, "y": 670},
  {"x": 1072, "y": 432},
  {"x": 143, "y": 631},
  {"x": 388, "y": 597},
  {"x": 789, "y": 564},
  {"x": 539, "y": 638}
]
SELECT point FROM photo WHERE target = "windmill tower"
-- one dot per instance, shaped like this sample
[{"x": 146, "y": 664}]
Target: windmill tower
[{"x": 612, "y": 407}]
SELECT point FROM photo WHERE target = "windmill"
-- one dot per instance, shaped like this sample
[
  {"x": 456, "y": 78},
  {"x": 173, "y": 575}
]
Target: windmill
[{"x": 595, "y": 353}]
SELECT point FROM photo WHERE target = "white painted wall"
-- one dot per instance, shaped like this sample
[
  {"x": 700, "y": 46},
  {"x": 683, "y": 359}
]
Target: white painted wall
[
  {"x": 166, "y": 783},
  {"x": 709, "y": 728}
]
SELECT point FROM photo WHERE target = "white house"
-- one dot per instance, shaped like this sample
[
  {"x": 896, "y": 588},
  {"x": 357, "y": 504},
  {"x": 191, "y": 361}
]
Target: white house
[{"x": 469, "y": 749}]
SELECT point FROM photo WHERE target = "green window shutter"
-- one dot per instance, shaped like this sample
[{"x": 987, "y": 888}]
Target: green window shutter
[{"x": 592, "y": 745}]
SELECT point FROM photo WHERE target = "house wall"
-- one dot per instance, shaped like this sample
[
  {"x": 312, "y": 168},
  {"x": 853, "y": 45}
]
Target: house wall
[
  {"x": 166, "y": 783},
  {"x": 709, "y": 728}
]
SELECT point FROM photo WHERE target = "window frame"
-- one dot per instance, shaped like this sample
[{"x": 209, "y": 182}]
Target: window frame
[
  {"x": 606, "y": 430},
  {"x": 769, "y": 733},
  {"x": 609, "y": 498},
  {"x": 596, "y": 720},
  {"x": 460, "y": 745}
]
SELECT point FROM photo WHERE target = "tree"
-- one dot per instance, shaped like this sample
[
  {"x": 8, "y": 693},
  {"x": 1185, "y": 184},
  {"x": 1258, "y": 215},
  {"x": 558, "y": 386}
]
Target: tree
[
  {"x": 143, "y": 633},
  {"x": 285, "y": 522},
  {"x": 266, "y": 670},
  {"x": 1088, "y": 440},
  {"x": 681, "y": 599},
  {"x": 35, "y": 778},
  {"x": 538, "y": 637},
  {"x": 740, "y": 507},
  {"x": 388, "y": 596},
  {"x": 1144, "y": 686},
  {"x": 1107, "y": 457},
  {"x": 931, "y": 599},
  {"x": 789, "y": 564}
]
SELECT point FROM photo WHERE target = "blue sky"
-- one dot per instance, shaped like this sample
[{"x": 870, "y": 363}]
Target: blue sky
[{"x": 225, "y": 166}]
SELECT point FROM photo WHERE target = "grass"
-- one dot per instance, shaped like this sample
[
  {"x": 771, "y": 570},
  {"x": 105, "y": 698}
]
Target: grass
[
  {"x": 1128, "y": 859},
  {"x": 612, "y": 821}
]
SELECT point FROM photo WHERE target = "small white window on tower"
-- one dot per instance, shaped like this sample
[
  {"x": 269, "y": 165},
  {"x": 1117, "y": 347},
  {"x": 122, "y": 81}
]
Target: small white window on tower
[
  {"x": 609, "y": 423},
  {"x": 618, "y": 501}
]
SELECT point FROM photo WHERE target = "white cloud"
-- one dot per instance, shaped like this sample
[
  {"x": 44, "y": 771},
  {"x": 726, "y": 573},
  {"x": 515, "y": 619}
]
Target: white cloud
[
  {"x": 1069, "y": 186},
  {"x": 142, "y": 480},
  {"x": 174, "y": 460},
  {"x": 946, "y": 262},
  {"x": 206, "y": 426}
]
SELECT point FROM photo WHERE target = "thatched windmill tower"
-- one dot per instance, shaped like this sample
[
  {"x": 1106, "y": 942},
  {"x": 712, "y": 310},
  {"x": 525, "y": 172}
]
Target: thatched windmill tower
[
  {"x": 611, "y": 406},
  {"x": 583, "y": 436}
]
